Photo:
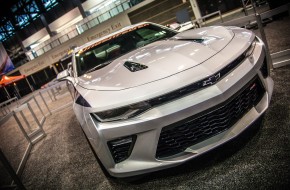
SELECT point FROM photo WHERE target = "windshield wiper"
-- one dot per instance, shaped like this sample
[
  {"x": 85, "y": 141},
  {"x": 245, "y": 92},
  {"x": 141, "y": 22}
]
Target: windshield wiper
[{"x": 98, "y": 66}]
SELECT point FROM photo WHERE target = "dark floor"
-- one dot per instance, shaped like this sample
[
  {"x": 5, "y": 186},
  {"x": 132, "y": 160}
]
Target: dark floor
[{"x": 259, "y": 159}]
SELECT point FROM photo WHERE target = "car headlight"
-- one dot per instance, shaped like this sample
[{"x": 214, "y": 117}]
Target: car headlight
[
  {"x": 122, "y": 112},
  {"x": 250, "y": 50}
]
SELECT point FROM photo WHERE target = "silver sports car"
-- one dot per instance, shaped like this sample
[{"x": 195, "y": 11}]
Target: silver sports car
[{"x": 150, "y": 98}]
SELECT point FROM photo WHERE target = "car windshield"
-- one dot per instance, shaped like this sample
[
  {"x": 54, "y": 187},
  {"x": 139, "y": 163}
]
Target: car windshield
[{"x": 104, "y": 52}]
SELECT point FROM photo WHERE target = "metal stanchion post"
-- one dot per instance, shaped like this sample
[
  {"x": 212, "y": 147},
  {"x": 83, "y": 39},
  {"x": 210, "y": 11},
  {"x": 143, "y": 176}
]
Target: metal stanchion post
[
  {"x": 221, "y": 17},
  {"x": 25, "y": 120},
  {"x": 67, "y": 85},
  {"x": 35, "y": 118},
  {"x": 245, "y": 8},
  {"x": 7, "y": 108},
  {"x": 53, "y": 93},
  {"x": 10, "y": 170},
  {"x": 263, "y": 36},
  {"x": 49, "y": 95},
  {"x": 45, "y": 103},
  {"x": 254, "y": 7},
  {"x": 21, "y": 128},
  {"x": 9, "y": 97},
  {"x": 38, "y": 105}
]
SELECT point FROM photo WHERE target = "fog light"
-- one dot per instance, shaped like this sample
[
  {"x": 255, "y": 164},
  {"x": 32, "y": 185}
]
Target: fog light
[{"x": 121, "y": 148}]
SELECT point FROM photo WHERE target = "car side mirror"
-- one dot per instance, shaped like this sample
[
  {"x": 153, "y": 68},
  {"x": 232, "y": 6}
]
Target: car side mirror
[{"x": 64, "y": 75}]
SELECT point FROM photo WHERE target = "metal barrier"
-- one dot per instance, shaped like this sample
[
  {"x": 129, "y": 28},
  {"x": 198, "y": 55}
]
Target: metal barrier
[
  {"x": 29, "y": 102},
  {"x": 12, "y": 173},
  {"x": 201, "y": 21},
  {"x": 241, "y": 22},
  {"x": 32, "y": 137},
  {"x": 54, "y": 92},
  {"x": 5, "y": 106},
  {"x": 276, "y": 11},
  {"x": 30, "y": 117},
  {"x": 244, "y": 21},
  {"x": 277, "y": 59},
  {"x": 281, "y": 58}
]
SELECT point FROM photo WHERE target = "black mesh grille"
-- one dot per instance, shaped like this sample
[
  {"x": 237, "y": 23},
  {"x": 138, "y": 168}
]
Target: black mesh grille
[{"x": 177, "y": 137}]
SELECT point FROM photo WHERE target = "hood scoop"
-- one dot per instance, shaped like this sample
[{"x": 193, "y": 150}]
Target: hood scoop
[{"x": 133, "y": 67}]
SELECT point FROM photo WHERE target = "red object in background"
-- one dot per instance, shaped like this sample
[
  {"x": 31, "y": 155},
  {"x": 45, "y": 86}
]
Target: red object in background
[{"x": 11, "y": 79}]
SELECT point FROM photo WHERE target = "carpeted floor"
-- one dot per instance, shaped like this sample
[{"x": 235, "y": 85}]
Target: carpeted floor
[{"x": 259, "y": 159}]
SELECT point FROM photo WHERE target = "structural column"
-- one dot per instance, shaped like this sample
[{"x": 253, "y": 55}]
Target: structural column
[
  {"x": 195, "y": 9},
  {"x": 42, "y": 16},
  {"x": 80, "y": 7},
  {"x": 43, "y": 20}
]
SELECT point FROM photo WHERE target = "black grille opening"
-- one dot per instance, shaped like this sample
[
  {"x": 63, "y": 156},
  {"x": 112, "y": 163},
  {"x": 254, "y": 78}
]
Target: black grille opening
[
  {"x": 121, "y": 148},
  {"x": 177, "y": 137}
]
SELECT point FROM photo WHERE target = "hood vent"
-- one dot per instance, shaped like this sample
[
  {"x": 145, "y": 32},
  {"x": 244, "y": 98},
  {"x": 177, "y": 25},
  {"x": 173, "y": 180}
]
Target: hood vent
[
  {"x": 192, "y": 39},
  {"x": 133, "y": 67},
  {"x": 200, "y": 41}
]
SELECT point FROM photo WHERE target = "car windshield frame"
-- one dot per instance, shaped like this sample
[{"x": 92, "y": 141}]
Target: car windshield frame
[{"x": 102, "y": 53}]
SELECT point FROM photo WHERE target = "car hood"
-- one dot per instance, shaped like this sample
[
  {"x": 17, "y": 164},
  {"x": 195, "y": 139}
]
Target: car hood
[{"x": 159, "y": 60}]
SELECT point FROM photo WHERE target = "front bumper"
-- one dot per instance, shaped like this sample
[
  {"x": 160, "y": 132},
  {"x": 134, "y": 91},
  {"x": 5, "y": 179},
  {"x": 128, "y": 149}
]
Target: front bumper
[{"x": 147, "y": 127}]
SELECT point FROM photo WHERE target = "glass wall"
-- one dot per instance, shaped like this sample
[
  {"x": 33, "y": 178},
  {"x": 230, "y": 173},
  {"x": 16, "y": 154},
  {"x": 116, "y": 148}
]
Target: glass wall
[
  {"x": 97, "y": 15},
  {"x": 210, "y": 6}
]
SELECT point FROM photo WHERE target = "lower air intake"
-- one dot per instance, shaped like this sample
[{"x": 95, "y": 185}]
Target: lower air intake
[{"x": 121, "y": 148}]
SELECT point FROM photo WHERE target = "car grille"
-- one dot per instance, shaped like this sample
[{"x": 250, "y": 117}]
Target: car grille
[{"x": 177, "y": 137}]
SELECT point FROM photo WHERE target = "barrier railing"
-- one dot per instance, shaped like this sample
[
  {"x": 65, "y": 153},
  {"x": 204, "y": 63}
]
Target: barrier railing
[
  {"x": 56, "y": 92},
  {"x": 29, "y": 102},
  {"x": 280, "y": 58},
  {"x": 20, "y": 166},
  {"x": 202, "y": 20},
  {"x": 36, "y": 134},
  {"x": 277, "y": 59},
  {"x": 30, "y": 117},
  {"x": 12, "y": 173},
  {"x": 5, "y": 106},
  {"x": 31, "y": 137},
  {"x": 276, "y": 11},
  {"x": 250, "y": 19}
]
